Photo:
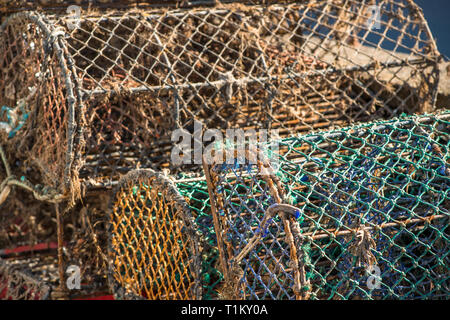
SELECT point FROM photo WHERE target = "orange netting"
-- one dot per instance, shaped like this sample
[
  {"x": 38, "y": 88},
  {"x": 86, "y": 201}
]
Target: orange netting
[{"x": 153, "y": 243}]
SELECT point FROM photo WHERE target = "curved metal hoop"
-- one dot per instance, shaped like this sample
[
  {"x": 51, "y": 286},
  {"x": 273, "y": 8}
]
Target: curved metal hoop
[{"x": 153, "y": 246}]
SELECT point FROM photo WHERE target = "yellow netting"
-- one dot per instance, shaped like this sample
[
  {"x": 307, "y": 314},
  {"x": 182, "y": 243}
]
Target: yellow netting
[{"x": 153, "y": 245}]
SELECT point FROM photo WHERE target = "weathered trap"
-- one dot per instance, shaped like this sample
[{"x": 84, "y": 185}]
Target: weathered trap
[
  {"x": 33, "y": 273},
  {"x": 27, "y": 279},
  {"x": 191, "y": 193},
  {"x": 85, "y": 103},
  {"x": 359, "y": 213},
  {"x": 154, "y": 246},
  {"x": 29, "y": 233}
]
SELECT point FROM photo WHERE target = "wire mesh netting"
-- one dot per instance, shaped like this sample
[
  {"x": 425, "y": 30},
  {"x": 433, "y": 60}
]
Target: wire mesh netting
[
  {"x": 26, "y": 279},
  {"x": 153, "y": 243},
  {"x": 195, "y": 192},
  {"x": 340, "y": 206},
  {"x": 105, "y": 97},
  {"x": 85, "y": 101}
]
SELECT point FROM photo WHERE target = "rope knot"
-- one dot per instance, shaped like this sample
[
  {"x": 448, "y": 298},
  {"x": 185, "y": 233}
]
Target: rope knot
[
  {"x": 362, "y": 246},
  {"x": 57, "y": 32}
]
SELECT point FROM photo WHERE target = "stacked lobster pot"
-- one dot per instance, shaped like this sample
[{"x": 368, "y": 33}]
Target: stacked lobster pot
[
  {"x": 362, "y": 212},
  {"x": 355, "y": 213},
  {"x": 88, "y": 98}
]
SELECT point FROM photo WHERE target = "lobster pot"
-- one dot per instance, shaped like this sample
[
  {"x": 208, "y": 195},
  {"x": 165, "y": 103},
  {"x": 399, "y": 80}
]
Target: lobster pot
[
  {"x": 34, "y": 275},
  {"x": 193, "y": 191},
  {"x": 28, "y": 227},
  {"x": 28, "y": 230},
  {"x": 86, "y": 242},
  {"x": 9, "y": 6},
  {"x": 25, "y": 222},
  {"x": 73, "y": 7},
  {"x": 27, "y": 278},
  {"x": 153, "y": 245},
  {"x": 87, "y": 99},
  {"x": 357, "y": 213},
  {"x": 36, "y": 87}
]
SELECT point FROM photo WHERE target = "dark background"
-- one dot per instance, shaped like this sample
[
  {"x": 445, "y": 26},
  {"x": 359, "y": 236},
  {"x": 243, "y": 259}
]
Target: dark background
[{"x": 437, "y": 14}]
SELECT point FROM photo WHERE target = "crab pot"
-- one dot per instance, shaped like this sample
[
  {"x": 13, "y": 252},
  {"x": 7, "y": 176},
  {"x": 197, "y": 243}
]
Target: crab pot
[
  {"x": 26, "y": 222},
  {"x": 28, "y": 244},
  {"x": 29, "y": 228},
  {"x": 195, "y": 192},
  {"x": 83, "y": 105},
  {"x": 153, "y": 245},
  {"x": 26, "y": 279},
  {"x": 86, "y": 243},
  {"x": 10, "y": 6},
  {"x": 367, "y": 218},
  {"x": 87, "y": 102},
  {"x": 34, "y": 275}
]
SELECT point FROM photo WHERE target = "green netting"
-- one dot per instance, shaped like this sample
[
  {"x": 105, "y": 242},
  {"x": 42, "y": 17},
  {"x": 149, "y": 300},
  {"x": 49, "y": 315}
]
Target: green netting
[
  {"x": 196, "y": 193},
  {"x": 366, "y": 209},
  {"x": 112, "y": 96}
]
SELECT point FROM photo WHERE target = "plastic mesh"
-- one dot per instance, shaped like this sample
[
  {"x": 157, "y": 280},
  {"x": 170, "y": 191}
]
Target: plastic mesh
[
  {"x": 109, "y": 94},
  {"x": 366, "y": 197},
  {"x": 82, "y": 106},
  {"x": 153, "y": 242},
  {"x": 25, "y": 279},
  {"x": 195, "y": 191}
]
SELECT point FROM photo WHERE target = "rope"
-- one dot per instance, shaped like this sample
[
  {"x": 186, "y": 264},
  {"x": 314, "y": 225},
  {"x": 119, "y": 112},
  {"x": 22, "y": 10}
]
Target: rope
[
  {"x": 373, "y": 194},
  {"x": 53, "y": 36},
  {"x": 362, "y": 246},
  {"x": 276, "y": 208},
  {"x": 40, "y": 193},
  {"x": 286, "y": 211},
  {"x": 13, "y": 124}
]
